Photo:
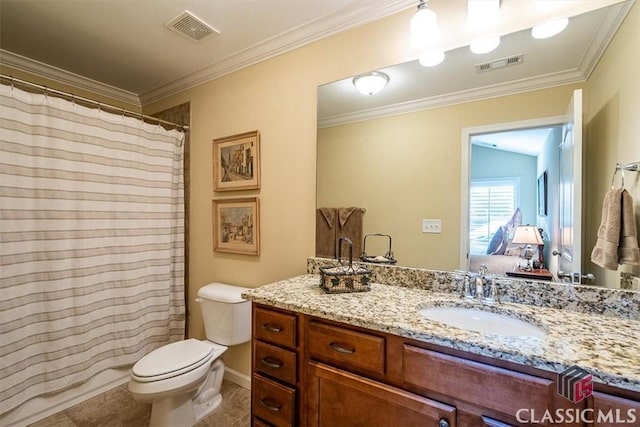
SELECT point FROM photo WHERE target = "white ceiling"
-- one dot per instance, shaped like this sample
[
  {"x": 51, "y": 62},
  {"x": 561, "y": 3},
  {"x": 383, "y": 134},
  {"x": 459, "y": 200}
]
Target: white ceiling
[
  {"x": 523, "y": 141},
  {"x": 122, "y": 49},
  {"x": 124, "y": 43}
]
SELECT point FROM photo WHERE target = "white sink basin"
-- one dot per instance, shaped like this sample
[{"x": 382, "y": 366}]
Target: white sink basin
[{"x": 482, "y": 321}]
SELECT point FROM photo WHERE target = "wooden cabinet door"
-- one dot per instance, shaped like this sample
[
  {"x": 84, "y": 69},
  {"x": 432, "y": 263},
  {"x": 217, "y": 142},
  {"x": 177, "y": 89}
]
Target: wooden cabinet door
[
  {"x": 611, "y": 410},
  {"x": 339, "y": 398}
]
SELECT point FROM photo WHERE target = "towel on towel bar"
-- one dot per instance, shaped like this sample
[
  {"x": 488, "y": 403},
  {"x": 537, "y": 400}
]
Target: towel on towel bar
[
  {"x": 326, "y": 232},
  {"x": 617, "y": 235},
  {"x": 350, "y": 224},
  {"x": 605, "y": 252},
  {"x": 628, "y": 252}
]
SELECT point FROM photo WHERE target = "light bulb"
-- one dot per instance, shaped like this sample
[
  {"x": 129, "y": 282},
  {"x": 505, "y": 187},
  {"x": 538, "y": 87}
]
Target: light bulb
[
  {"x": 482, "y": 13},
  {"x": 549, "y": 29},
  {"x": 431, "y": 58},
  {"x": 424, "y": 27},
  {"x": 484, "y": 44}
]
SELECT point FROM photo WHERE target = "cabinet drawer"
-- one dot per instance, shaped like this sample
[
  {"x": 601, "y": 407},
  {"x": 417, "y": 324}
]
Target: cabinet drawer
[
  {"x": 273, "y": 402},
  {"x": 490, "y": 387},
  {"x": 343, "y": 346},
  {"x": 275, "y": 361},
  {"x": 274, "y": 327}
]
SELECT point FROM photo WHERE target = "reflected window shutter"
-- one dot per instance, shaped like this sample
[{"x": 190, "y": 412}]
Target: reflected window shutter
[{"x": 491, "y": 204}]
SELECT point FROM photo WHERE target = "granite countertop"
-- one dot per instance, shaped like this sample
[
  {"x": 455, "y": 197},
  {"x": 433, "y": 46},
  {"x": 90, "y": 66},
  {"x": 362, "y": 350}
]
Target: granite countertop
[{"x": 607, "y": 347}]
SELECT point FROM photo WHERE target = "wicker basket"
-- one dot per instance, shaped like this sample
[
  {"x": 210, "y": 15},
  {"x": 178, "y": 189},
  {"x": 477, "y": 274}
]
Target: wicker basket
[
  {"x": 379, "y": 259},
  {"x": 345, "y": 278}
]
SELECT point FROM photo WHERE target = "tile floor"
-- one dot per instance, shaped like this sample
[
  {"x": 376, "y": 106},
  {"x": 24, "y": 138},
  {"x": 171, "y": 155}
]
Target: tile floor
[{"x": 116, "y": 408}]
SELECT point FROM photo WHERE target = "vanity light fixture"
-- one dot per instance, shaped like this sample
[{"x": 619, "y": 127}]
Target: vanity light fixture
[
  {"x": 550, "y": 28},
  {"x": 431, "y": 58},
  {"x": 371, "y": 83},
  {"x": 424, "y": 26},
  {"x": 481, "y": 16},
  {"x": 481, "y": 13},
  {"x": 484, "y": 44}
]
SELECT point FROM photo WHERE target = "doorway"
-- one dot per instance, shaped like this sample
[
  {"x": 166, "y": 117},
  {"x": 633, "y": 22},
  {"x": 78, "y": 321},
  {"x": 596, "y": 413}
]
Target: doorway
[{"x": 509, "y": 175}]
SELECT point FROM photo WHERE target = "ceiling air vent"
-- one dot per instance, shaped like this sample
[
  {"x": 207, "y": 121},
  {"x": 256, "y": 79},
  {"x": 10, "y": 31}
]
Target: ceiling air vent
[
  {"x": 500, "y": 63},
  {"x": 191, "y": 26}
]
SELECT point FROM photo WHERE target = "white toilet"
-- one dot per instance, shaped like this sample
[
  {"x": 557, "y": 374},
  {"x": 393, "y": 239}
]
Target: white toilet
[{"x": 183, "y": 379}]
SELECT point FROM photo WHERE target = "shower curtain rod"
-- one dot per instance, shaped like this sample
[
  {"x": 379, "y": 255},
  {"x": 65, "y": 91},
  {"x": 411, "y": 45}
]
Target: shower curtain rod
[{"x": 98, "y": 104}]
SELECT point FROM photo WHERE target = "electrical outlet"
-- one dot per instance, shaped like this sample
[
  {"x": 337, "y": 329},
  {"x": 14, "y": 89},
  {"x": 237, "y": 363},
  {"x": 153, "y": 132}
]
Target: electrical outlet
[{"x": 432, "y": 226}]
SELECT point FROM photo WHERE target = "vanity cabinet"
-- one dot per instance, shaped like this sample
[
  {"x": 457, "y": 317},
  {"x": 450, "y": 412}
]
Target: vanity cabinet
[
  {"x": 275, "y": 372},
  {"x": 309, "y": 371},
  {"x": 612, "y": 411},
  {"x": 340, "y": 398},
  {"x": 489, "y": 389}
]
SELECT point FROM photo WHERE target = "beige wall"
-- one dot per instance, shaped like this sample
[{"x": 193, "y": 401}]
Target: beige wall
[
  {"x": 406, "y": 168},
  {"x": 8, "y": 71},
  {"x": 278, "y": 97},
  {"x": 613, "y": 131}
]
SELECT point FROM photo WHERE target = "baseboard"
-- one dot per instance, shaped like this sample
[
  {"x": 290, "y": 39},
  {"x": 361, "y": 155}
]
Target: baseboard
[{"x": 237, "y": 378}]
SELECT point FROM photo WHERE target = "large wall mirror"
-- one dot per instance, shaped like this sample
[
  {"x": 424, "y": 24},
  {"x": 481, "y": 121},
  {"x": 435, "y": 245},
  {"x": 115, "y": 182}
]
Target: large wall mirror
[{"x": 428, "y": 142}]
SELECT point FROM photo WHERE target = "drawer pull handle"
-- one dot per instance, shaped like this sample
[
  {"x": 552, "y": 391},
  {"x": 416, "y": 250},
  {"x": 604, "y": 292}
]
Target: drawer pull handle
[
  {"x": 342, "y": 349},
  {"x": 270, "y": 328},
  {"x": 271, "y": 363},
  {"x": 270, "y": 404},
  {"x": 443, "y": 422}
]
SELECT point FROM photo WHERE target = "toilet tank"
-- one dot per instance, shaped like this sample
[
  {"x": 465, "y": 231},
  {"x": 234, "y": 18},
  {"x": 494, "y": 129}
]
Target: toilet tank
[{"x": 226, "y": 316}]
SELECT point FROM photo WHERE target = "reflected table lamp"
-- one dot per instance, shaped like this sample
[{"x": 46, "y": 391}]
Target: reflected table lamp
[{"x": 528, "y": 235}]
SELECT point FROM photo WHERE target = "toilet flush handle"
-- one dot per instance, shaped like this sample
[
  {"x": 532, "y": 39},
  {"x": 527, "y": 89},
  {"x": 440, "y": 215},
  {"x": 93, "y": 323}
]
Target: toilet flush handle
[{"x": 199, "y": 300}]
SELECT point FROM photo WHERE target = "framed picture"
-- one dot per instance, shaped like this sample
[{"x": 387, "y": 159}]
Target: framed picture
[
  {"x": 236, "y": 226},
  {"x": 236, "y": 162},
  {"x": 542, "y": 194}
]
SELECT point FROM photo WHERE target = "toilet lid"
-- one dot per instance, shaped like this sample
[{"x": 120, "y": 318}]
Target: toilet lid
[{"x": 173, "y": 359}]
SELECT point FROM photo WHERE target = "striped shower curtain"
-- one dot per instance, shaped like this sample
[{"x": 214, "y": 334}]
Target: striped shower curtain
[{"x": 91, "y": 242}]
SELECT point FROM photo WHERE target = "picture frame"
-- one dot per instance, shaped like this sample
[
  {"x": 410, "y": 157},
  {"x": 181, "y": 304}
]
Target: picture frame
[
  {"x": 236, "y": 162},
  {"x": 542, "y": 194},
  {"x": 236, "y": 225}
]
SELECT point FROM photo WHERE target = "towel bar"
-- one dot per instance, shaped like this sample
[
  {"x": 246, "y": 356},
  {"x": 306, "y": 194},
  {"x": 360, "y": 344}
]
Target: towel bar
[{"x": 631, "y": 167}]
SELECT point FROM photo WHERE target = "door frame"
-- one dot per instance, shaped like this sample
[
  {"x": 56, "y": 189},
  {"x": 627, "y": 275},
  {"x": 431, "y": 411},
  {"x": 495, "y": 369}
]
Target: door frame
[{"x": 465, "y": 168}]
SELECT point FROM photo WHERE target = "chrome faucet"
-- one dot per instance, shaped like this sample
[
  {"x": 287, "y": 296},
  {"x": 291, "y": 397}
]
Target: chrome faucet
[{"x": 482, "y": 288}]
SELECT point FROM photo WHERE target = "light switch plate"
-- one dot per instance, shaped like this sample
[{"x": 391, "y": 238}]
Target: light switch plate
[{"x": 432, "y": 226}]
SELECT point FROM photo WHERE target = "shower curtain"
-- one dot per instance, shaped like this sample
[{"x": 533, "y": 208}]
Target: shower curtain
[{"x": 91, "y": 242}]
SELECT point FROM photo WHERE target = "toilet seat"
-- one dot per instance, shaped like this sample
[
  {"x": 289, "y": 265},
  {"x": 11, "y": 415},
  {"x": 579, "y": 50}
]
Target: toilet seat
[{"x": 175, "y": 359}]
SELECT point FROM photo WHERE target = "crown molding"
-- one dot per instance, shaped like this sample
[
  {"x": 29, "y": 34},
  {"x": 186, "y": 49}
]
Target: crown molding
[
  {"x": 285, "y": 42},
  {"x": 477, "y": 94},
  {"x": 22, "y": 63},
  {"x": 607, "y": 29}
]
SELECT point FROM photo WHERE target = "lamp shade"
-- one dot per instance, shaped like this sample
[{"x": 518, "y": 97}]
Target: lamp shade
[
  {"x": 527, "y": 234},
  {"x": 424, "y": 26},
  {"x": 371, "y": 83}
]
